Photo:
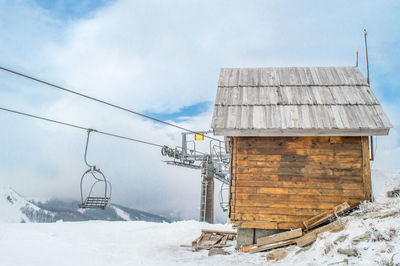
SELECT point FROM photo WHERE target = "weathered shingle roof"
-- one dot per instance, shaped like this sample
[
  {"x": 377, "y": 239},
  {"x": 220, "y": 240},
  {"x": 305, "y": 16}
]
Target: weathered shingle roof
[{"x": 296, "y": 101}]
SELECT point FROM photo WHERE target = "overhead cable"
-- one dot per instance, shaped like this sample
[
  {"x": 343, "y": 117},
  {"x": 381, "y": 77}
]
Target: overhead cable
[
  {"x": 80, "y": 127},
  {"x": 101, "y": 101}
]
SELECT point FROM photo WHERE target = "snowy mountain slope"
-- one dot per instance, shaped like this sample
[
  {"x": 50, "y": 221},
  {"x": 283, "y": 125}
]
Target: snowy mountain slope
[
  {"x": 15, "y": 209},
  {"x": 130, "y": 214},
  {"x": 68, "y": 211},
  {"x": 10, "y": 205},
  {"x": 124, "y": 215}
]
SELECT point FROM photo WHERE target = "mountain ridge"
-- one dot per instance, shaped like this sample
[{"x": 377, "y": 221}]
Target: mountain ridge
[{"x": 17, "y": 209}]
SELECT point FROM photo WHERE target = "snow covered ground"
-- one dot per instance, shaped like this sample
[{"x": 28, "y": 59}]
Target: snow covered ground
[
  {"x": 373, "y": 233},
  {"x": 109, "y": 243}
]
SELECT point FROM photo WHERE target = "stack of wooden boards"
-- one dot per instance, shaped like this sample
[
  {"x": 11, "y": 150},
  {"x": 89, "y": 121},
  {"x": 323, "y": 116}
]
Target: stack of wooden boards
[
  {"x": 302, "y": 237},
  {"x": 212, "y": 239}
]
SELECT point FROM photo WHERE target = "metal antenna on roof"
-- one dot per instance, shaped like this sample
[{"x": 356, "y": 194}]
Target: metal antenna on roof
[
  {"x": 367, "y": 70},
  {"x": 366, "y": 54}
]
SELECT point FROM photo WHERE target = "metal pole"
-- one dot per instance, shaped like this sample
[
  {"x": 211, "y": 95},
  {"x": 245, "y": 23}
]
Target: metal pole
[
  {"x": 372, "y": 148},
  {"x": 207, "y": 191},
  {"x": 184, "y": 145},
  {"x": 366, "y": 54},
  {"x": 371, "y": 158}
]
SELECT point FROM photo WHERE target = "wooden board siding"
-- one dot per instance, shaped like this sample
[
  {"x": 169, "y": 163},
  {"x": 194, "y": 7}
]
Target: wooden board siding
[{"x": 278, "y": 182}]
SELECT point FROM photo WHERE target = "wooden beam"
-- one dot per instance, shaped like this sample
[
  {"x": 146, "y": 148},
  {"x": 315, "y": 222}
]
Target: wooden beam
[
  {"x": 267, "y": 225},
  {"x": 366, "y": 169},
  {"x": 286, "y": 204},
  {"x": 306, "y": 240},
  {"x": 350, "y": 178},
  {"x": 310, "y": 237},
  {"x": 196, "y": 242},
  {"x": 300, "y": 132},
  {"x": 297, "y": 184},
  {"x": 325, "y": 216},
  {"x": 224, "y": 240},
  {"x": 270, "y": 217},
  {"x": 247, "y": 248},
  {"x": 219, "y": 232},
  {"x": 299, "y": 191},
  {"x": 279, "y": 237},
  {"x": 213, "y": 240},
  {"x": 231, "y": 156},
  {"x": 269, "y": 247},
  {"x": 303, "y": 198}
]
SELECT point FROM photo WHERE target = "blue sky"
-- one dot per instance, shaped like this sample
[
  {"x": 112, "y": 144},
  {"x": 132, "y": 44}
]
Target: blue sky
[
  {"x": 71, "y": 9},
  {"x": 163, "y": 58}
]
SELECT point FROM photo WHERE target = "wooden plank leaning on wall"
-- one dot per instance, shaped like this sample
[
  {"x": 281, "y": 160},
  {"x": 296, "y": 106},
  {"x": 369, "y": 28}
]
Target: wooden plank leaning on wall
[
  {"x": 230, "y": 177},
  {"x": 366, "y": 168}
]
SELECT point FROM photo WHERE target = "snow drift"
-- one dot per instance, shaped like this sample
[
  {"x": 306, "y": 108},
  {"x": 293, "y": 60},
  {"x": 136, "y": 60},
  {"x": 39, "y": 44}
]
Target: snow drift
[{"x": 371, "y": 237}]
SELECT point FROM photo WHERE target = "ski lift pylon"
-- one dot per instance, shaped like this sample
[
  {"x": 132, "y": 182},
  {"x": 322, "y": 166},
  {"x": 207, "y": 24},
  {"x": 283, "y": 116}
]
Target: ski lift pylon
[{"x": 93, "y": 198}]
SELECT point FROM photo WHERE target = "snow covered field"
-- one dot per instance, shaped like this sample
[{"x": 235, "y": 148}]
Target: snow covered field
[
  {"x": 109, "y": 243},
  {"x": 373, "y": 233},
  {"x": 145, "y": 243}
]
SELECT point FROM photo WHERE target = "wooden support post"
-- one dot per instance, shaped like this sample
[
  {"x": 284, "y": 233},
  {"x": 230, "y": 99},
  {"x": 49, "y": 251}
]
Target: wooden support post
[{"x": 366, "y": 169}]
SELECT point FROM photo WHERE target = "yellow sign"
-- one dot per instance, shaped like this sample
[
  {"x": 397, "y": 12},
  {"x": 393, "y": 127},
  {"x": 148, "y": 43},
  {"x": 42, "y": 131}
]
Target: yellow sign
[{"x": 199, "y": 136}]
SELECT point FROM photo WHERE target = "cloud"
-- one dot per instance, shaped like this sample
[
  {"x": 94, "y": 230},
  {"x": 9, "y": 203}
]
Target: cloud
[
  {"x": 387, "y": 148},
  {"x": 160, "y": 56}
]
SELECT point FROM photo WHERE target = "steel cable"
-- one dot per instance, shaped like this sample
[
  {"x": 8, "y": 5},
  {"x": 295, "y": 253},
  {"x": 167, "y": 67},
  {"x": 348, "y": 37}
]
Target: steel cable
[
  {"x": 101, "y": 101},
  {"x": 80, "y": 127}
]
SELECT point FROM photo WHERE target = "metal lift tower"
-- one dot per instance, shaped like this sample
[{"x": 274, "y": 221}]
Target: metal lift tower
[{"x": 213, "y": 165}]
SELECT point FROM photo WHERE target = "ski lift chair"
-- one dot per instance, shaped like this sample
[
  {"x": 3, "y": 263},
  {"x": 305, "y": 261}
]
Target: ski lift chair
[
  {"x": 98, "y": 194},
  {"x": 93, "y": 199}
]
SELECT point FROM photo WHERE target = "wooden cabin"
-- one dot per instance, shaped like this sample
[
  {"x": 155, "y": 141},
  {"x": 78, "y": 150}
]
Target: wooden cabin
[{"x": 298, "y": 141}]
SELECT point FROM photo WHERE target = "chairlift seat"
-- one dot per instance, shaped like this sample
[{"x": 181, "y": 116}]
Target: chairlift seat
[{"x": 95, "y": 202}]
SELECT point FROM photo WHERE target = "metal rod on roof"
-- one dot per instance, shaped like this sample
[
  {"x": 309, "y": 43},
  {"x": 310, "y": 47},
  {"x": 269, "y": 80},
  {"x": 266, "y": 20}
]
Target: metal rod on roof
[
  {"x": 366, "y": 54},
  {"x": 371, "y": 157}
]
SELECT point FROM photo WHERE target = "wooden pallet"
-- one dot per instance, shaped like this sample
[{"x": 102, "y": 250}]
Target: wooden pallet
[{"x": 212, "y": 239}]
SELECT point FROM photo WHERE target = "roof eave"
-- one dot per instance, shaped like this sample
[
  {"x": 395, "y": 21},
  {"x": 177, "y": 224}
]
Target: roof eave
[{"x": 300, "y": 132}]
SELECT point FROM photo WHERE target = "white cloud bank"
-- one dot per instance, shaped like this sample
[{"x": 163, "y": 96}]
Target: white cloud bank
[{"x": 159, "y": 56}]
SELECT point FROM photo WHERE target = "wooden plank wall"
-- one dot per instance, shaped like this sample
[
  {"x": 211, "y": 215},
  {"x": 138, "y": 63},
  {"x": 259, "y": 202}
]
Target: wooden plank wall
[{"x": 277, "y": 182}]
